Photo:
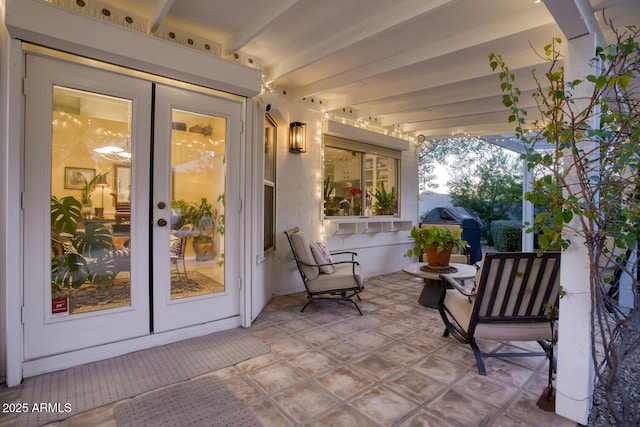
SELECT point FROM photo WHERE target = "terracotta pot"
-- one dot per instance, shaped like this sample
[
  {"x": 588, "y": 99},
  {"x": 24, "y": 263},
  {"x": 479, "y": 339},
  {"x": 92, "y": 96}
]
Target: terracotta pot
[{"x": 438, "y": 259}]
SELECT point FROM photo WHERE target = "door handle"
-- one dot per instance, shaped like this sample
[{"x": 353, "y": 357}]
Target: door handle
[{"x": 162, "y": 222}]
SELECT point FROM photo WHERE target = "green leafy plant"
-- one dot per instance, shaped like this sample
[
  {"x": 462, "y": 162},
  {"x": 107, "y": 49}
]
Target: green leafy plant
[
  {"x": 66, "y": 213},
  {"x": 441, "y": 236},
  {"x": 220, "y": 227},
  {"x": 385, "y": 200},
  {"x": 202, "y": 216},
  {"x": 90, "y": 186},
  {"x": 219, "y": 218},
  {"x": 327, "y": 188},
  {"x": 78, "y": 256},
  {"x": 206, "y": 222},
  {"x": 95, "y": 244},
  {"x": 330, "y": 202},
  {"x": 589, "y": 181}
]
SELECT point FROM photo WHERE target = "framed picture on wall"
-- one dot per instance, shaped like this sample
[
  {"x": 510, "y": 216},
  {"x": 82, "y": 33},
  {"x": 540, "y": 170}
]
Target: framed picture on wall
[{"x": 73, "y": 177}]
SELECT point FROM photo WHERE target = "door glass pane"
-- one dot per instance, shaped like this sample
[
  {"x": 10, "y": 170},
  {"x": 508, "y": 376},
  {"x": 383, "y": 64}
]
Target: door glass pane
[
  {"x": 198, "y": 148},
  {"x": 90, "y": 241}
]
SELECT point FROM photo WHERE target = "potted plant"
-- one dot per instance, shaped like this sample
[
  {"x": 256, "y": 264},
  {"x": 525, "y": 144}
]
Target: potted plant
[
  {"x": 87, "y": 191},
  {"x": 202, "y": 216},
  {"x": 437, "y": 243},
  {"x": 385, "y": 201}
]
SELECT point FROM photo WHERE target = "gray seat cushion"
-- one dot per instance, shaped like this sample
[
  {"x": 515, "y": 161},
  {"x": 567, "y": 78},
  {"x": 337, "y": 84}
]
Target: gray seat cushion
[{"x": 342, "y": 278}]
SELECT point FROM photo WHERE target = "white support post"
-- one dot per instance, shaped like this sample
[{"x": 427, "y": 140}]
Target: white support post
[
  {"x": 575, "y": 373},
  {"x": 527, "y": 208}
]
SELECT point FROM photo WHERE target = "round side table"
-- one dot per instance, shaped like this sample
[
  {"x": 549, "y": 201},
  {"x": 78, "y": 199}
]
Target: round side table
[{"x": 431, "y": 290}]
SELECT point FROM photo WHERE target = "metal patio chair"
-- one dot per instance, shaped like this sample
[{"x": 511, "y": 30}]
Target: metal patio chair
[
  {"x": 328, "y": 280},
  {"x": 515, "y": 298}
]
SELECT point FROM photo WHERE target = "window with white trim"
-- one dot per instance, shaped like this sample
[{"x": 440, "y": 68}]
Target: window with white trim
[{"x": 359, "y": 178}]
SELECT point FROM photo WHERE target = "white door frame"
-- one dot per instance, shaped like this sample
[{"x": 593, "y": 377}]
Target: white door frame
[{"x": 17, "y": 368}]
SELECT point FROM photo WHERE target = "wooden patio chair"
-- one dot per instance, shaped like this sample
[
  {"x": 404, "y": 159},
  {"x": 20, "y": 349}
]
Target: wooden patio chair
[
  {"x": 515, "y": 298},
  {"x": 325, "y": 279}
]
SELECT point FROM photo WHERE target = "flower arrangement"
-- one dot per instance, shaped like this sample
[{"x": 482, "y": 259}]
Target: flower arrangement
[{"x": 356, "y": 200}]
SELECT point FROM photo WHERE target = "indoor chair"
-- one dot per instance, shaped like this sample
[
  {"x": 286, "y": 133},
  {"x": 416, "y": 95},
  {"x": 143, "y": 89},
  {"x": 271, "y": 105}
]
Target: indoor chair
[
  {"x": 123, "y": 213},
  {"x": 325, "y": 279},
  {"x": 514, "y": 298},
  {"x": 177, "y": 247}
]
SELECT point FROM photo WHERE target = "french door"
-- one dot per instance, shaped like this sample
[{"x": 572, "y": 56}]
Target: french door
[
  {"x": 193, "y": 174},
  {"x": 126, "y": 181}
]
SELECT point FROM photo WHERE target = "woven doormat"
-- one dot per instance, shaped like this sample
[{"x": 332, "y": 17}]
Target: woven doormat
[
  {"x": 107, "y": 381},
  {"x": 205, "y": 401}
]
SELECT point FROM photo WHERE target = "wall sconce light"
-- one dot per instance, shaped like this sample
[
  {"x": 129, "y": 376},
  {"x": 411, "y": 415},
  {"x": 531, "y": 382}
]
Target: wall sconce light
[{"x": 297, "y": 137}]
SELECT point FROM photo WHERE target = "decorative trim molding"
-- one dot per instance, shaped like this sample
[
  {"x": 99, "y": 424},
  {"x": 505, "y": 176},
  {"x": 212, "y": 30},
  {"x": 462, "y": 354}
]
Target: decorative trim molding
[
  {"x": 358, "y": 134},
  {"x": 100, "y": 10}
]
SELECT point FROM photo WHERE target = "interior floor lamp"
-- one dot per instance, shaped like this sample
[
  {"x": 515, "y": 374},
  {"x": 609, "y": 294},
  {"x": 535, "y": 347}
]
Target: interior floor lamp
[{"x": 102, "y": 183}]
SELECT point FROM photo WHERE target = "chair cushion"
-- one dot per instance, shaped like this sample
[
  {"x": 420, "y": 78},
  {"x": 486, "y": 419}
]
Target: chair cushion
[
  {"x": 302, "y": 246},
  {"x": 460, "y": 309},
  {"x": 342, "y": 278},
  {"x": 322, "y": 256}
]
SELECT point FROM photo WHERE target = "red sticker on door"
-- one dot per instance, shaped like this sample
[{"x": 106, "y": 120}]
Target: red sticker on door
[{"x": 60, "y": 306}]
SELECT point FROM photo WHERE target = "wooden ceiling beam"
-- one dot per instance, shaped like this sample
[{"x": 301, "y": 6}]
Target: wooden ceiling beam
[
  {"x": 469, "y": 38},
  {"x": 500, "y": 127},
  {"x": 462, "y": 121},
  {"x": 478, "y": 106},
  {"x": 158, "y": 13},
  {"x": 252, "y": 29},
  {"x": 359, "y": 98},
  {"x": 396, "y": 15},
  {"x": 575, "y": 18}
]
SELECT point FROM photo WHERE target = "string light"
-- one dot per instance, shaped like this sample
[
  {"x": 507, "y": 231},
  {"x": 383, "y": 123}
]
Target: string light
[{"x": 370, "y": 126}]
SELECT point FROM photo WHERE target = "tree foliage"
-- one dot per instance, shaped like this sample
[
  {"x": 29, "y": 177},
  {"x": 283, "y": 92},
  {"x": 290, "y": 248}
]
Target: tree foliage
[
  {"x": 483, "y": 177},
  {"x": 590, "y": 183}
]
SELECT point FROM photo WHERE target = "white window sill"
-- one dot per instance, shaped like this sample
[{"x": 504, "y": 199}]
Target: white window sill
[{"x": 363, "y": 224}]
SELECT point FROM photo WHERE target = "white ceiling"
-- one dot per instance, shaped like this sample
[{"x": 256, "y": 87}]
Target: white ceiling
[{"x": 419, "y": 66}]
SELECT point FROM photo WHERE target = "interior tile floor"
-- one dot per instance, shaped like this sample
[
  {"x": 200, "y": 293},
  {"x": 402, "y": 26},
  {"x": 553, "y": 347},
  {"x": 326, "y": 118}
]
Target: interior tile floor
[{"x": 329, "y": 366}]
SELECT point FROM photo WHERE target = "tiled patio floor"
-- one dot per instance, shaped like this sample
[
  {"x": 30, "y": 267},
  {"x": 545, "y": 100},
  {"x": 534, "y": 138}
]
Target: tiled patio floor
[{"x": 330, "y": 367}]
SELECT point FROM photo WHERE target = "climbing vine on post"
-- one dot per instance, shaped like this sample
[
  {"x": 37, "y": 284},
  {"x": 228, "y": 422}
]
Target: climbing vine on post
[{"x": 586, "y": 157}]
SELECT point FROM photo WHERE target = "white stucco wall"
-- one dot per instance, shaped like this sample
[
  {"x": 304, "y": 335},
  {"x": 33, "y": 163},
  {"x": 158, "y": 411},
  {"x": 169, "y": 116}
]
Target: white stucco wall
[{"x": 299, "y": 204}]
